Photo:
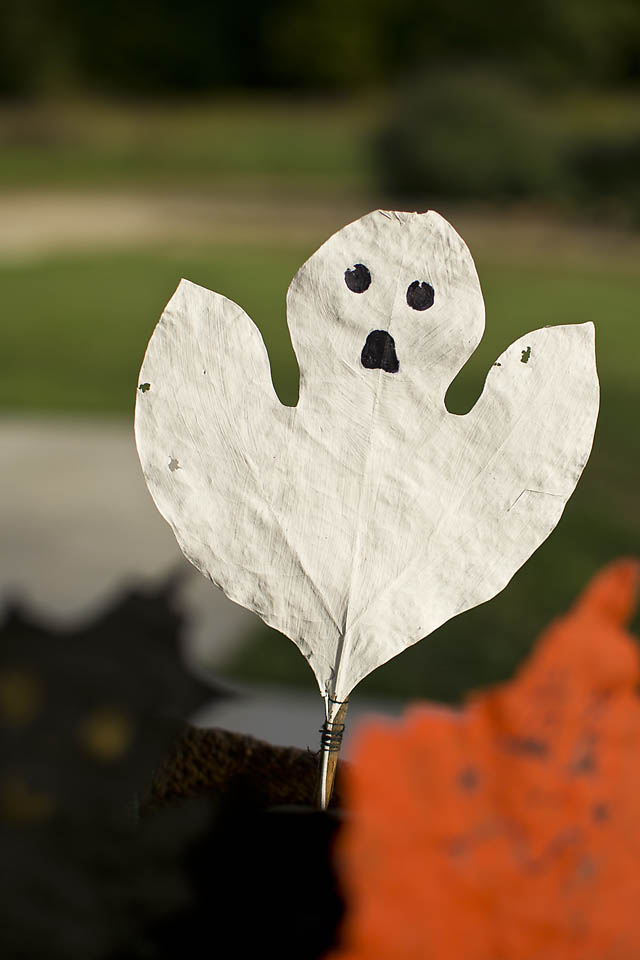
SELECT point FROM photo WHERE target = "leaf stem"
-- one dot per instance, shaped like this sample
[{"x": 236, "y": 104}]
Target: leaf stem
[{"x": 330, "y": 742}]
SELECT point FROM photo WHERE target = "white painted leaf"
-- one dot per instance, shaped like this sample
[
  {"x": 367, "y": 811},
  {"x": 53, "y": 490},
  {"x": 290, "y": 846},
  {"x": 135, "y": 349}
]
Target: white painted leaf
[{"x": 364, "y": 518}]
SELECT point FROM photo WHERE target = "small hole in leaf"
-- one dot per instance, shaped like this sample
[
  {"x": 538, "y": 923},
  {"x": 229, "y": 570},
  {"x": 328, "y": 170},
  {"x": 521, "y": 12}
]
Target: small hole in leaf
[
  {"x": 173, "y": 465},
  {"x": 106, "y": 733},
  {"x": 586, "y": 868},
  {"x": 584, "y": 760},
  {"x": 458, "y": 847},
  {"x": 144, "y": 387},
  {"x": 21, "y": 804},
  {"x": 20, "y": 696},
  {"x": 525, "y": 355},
  {"x": 527, "y": 746},
  {"x": 601, "y": 812},
  {"x": 468, "y": 778}
]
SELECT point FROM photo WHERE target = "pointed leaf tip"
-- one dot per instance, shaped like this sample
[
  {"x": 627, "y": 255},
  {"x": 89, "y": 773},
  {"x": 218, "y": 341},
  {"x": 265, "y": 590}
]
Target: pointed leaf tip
[{"x": 612, "y": 594}]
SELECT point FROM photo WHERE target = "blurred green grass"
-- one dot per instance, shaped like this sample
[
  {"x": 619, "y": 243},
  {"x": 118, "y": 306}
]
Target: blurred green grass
[
  {"x": 77, "y": 325},
  {"x": 74, "y": 333},
  {"x": 295, "y": 143},
  {"x": 332, "y": 146}
]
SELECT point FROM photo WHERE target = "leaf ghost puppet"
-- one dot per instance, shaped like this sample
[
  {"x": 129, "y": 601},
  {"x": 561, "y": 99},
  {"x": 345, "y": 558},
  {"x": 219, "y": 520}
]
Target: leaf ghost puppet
[{"x": 365, "y": 517}]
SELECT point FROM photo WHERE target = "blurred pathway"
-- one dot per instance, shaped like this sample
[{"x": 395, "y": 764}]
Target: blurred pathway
[
  {"x": 77, "y": 525},
  {"x": 40, "y": 222},
  {"x": 44, "y": 222}
]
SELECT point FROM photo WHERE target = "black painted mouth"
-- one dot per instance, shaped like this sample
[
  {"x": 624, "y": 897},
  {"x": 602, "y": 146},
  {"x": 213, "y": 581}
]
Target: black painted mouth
[{"x": 379, "y": 352}]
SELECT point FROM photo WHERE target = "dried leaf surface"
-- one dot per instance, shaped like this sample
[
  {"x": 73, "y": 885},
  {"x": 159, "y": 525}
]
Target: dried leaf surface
[{"x": 364, "y": 518}]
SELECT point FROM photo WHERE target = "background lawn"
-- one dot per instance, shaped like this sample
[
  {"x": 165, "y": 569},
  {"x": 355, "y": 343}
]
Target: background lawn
[{"x": 316, "y": 143}]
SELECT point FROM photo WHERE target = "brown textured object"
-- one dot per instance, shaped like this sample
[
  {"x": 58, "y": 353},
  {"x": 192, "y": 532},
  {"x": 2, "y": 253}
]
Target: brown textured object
[{"x": 214, "y": 762}]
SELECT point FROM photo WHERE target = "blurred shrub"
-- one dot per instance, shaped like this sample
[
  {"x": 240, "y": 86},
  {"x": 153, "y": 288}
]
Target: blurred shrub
[
  {"x": 466, "y": 136},
  {"x": 605, "y": 175},
  {"x": 162, "y": 46},
  {"x": 487, "y": 138}
]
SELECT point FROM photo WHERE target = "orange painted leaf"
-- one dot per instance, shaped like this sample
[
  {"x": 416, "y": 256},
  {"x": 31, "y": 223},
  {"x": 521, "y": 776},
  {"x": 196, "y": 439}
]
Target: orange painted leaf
[{"x": 509, "y": 830}]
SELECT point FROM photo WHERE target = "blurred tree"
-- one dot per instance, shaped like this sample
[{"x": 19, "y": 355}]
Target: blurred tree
[
  {"x": 327, "y": 41},
  {"x": 330, "y": 42},
  {"x": 36, "y": 47},
  {"x": 193, "y": 45},
  {"x": 164, "y": 45},
  {"x": 465, "y": 134}
]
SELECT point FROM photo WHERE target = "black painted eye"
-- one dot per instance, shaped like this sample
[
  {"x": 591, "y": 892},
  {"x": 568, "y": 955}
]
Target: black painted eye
[
  {"x": 357, "y": 278},
  {"x": 420, "y": 296}
]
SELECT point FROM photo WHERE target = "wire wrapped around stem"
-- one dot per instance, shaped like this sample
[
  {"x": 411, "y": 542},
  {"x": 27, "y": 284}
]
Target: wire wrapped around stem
[{"x": 331, "y": 734}]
